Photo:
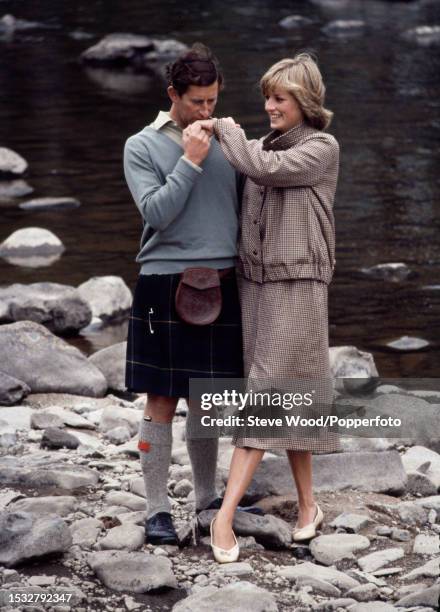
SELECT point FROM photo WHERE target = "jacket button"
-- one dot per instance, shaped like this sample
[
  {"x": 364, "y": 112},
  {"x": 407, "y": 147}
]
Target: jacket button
[
  {"x": 255, "y": 221},
  {"x": 255, "y": 252}
]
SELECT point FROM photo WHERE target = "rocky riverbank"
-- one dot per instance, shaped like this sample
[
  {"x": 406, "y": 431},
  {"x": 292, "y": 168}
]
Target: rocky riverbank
[{"x": 72, "y": 514}]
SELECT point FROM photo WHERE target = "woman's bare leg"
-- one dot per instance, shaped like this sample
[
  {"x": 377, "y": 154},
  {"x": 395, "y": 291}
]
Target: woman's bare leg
[
  {"x": 301, "y": 466},
  {"x": 243, "y": 465}
]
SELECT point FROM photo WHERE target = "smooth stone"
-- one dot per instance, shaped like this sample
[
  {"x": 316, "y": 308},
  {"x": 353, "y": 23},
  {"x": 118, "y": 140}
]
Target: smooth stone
[
  {"x": 393, "y": 272},
  {"x": 70, "y": 418},
  {"x": 18, "y": 417},
  {"x": 420, "y": 484},
  {"x": 42, "y": 580},
  {"x": 61, "y": 505},
  {"x": 320, "y": 586},
  {"x": 126, "y": 537},
  {"x": 118, "y": 435},
  {"x": 8, "y": 436},
  {"x": 350, "y": 362},
  {"x": 408, "y": 343},
  {"x": 416, "y": 457},
  {"x": 424, "y": 35},
  {"x": 12, "y": 390},
  {"x": 138, "y": 518},
  {"x": 111, "y": 362},
  {"x": 334, "y": 605},
  {"x": 294, "y": 21},
  {"x": 112, "y": 417},
  {"x": 31, "y": 241},
  {"x": 43, "y": 420},
  {"x": 376, "y": 560},
  {"x": 425, "y": 597},
  {"x": 431, "y": 503},
  {"x": 373, "y": 606},
  {"x": 11, "y": 163},
  {"x": 400, "y": 535},
  {"x": 333, "y": 576},
  {"x": 135, "y": 572},
  {"x": 364, "y": 592},
  {"x": 47, "y": 363},
  {"x": 85, "y": 532},
  {"x": 40, "y": 469},
  {"x": 50, "y": 204},
  {"x": 408, "y": 513},
  {"x": 183, "y": 488},
  {"x": 54, "y": 438},
  {"x": 327, "y": 549},
  {"x": 235, "y": 569},
  {"x": 137, "y": 486},
  {"x": 109, "y": 297},
  {"x": 428, "y": 570},
  {"x": 58, "y": 307},
  {"x": 268, "y": 530},
  {"x": 344, "y": 28},
  {"x": 127, "y": 500},
  {"x": 351, "y": 522},
  {"x": 14, "y": 189},
  {"x": 426, "y": 545},
  {"x": 242, "y": 596},
  {"x": 385, "y": 389},
  {"x": 25, "y": 536}
]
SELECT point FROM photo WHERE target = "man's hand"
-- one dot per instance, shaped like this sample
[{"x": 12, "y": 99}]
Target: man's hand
[
  {"x": 206, "y": 124},
  {"x": 196, "y": 143}
]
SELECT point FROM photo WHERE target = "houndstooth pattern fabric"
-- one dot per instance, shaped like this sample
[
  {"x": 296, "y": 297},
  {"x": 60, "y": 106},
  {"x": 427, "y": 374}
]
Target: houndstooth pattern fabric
[
  {"x": 287, "y": 212},
  {"x": 285, "y": 336}
]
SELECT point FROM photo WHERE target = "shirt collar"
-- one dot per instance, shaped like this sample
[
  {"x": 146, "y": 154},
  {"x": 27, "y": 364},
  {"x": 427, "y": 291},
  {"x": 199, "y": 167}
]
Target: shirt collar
[{"x": 162, "y": 119}]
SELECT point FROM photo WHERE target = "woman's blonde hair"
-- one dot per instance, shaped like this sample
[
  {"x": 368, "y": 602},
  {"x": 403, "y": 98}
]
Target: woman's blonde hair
[{"x": 300, "y": 76}]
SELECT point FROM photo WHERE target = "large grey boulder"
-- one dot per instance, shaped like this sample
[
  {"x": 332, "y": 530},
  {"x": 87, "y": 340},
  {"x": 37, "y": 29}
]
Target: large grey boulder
[
  {"x": 11, "y": 163},
  {"x": 132, "y": 49},
  {"x": 350, "y": 362},
  {"x": 270, "y": 531},
  {"x": 24, "y": 536},
  {"x": 379, "y": 472},
  {"x": 47, "y": 363},
  {"x": 408, "y": 343},
  {"x": 41, "y": 469},
  {"x": 12, "y": 390},
  {"x": 58, "y": 307},
  {"x": 111, "y": 362},
  {"x": 242, "y": 596},
  {"x": 136, "y": 572},
  {"x": 109, "y": 297},
  {"x": 50, "y": 204}
]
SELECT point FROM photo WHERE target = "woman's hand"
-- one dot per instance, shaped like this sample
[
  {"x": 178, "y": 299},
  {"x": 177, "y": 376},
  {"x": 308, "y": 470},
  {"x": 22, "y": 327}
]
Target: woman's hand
[
  {"x": 205, "y": 124},
  {"x": 231, "y": 121}
]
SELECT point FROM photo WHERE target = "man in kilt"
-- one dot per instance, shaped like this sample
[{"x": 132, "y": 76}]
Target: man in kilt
[{"x": 188, "y": 197}]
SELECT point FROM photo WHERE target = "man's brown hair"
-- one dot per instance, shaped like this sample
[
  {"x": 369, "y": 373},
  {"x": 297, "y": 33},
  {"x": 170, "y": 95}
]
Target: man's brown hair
[{"x": 197, "y": 66}]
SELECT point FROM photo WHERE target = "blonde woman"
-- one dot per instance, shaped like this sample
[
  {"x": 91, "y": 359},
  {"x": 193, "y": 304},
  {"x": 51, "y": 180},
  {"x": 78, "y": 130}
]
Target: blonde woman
[{"x": 286, "y": 261}]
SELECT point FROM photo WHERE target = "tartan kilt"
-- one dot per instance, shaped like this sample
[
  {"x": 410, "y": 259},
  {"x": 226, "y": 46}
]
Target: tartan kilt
[
  {"x": 285, "y": 336},
  {"x": 163, "y": 352}
]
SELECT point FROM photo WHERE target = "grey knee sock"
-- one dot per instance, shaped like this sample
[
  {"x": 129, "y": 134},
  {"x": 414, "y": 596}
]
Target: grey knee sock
[
  {"x": 203, "y": 455},
  {"x": 155, "y": 440}
]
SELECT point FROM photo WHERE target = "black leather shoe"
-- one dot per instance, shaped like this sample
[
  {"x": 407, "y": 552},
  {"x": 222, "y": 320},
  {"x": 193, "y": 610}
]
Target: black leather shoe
[
  {"x": 159, "y": 529},
  {"x": 216, "y": 504}
]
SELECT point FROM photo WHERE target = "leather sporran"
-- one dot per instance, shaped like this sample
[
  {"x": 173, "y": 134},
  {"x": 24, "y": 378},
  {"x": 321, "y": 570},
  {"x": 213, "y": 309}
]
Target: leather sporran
[{"x": 198, "y": 297}]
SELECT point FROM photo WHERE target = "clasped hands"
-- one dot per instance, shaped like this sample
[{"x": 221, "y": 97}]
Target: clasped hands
[{"x": 196, "y": 138}]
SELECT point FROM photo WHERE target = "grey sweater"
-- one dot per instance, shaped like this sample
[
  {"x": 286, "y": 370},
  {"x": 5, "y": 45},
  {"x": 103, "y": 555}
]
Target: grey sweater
[{"x": 190, "y": 216}]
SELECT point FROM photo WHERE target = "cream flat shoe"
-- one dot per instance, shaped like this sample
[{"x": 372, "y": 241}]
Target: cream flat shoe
[
  {"x": 308, "y": 531},
  {"x": 222, "y": 555}
]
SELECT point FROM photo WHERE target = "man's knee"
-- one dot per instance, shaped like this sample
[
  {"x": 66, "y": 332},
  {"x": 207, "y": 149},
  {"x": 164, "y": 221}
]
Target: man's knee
[{"x": 160, "y": 408}]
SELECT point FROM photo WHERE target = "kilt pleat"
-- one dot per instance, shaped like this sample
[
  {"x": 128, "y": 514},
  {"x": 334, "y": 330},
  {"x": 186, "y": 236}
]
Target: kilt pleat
[{"x": 163, "y": 352}]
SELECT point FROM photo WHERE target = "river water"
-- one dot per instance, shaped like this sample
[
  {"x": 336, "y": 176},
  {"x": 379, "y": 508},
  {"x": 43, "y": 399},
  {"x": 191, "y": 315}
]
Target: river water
[{"x": 71, "y": 123}]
